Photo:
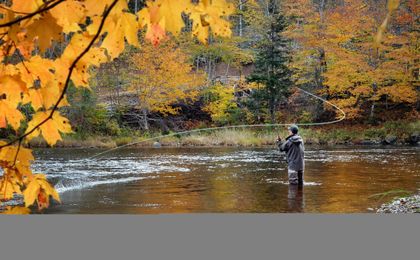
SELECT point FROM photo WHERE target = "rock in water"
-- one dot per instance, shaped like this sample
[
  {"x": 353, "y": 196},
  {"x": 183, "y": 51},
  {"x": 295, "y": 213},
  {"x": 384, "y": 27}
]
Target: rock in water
[
  {"x": 369, "y": 142},
  {"x": 157, "y": 145},
  {"x": 414, "y": 138},
  {"x": 390, "y": 139}
]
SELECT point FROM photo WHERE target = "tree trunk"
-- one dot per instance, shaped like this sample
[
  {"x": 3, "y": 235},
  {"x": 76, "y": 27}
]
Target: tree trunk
[
  {"x": 321, "y": 11},
  {"x": 227, "y": 71},
  {"x": 372, "y": 109},
  {"x": 272, "y": 106},
  {"x": 322, "y": 67},
  {"x": 145, "y": 122},
  {"x": 241, "y": 5}
]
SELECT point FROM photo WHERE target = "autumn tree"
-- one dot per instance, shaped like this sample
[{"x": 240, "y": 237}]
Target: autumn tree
[
  {"x": 163, "y": 76},
  {"x": 231, "y": 53},
  {"x": 220, "y": 103},
  {"x": 346, "y": 53},
  {"x": 271, "y": 64},
  {"x": 305, "y": 29},
  {"x": 92, "y": 33}
]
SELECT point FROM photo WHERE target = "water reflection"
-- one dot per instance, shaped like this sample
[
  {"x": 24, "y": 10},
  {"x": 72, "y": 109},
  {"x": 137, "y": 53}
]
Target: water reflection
[{"x": 295, "y": 199}]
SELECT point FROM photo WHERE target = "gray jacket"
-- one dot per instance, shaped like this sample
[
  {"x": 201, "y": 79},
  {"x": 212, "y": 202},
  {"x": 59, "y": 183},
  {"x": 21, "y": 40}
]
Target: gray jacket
[{"x": 293, "y": 146}]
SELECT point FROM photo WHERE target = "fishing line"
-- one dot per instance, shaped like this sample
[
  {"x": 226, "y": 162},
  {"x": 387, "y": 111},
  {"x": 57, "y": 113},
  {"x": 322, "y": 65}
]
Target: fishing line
[{"x": 343, "y": 116}]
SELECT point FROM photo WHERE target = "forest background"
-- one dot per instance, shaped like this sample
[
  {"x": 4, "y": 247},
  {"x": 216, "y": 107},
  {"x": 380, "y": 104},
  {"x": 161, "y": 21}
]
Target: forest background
[{"x": 322, "y": 46}]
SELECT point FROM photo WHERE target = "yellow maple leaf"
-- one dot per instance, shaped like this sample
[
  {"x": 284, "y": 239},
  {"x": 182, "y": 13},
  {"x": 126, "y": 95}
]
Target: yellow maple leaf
[
  {"x": 11, "y": 88},
  {"x": 119, "y": 26},
  {"x": 77, "y": 45},
  {"x": 45, "y": 30},
  {"x": 8, "y": 188},
  {"x": 45, "y": 96},
  {"x": 95, "y": 7},
  {"x": 48, "y": 188},
  {"x": 9, "y": 115},
  {"x": 8, "y": 155},
  {"x": 95, "y": 57},
  {"x": 128, "y": 24},
  {"x": 39, "y": 190},
  {"x": 8, "y": 69},
  {"x": 51, "y": 129},
  {"x": 209, "y": 14},
  {"x": 69, "y": 14},
  {"x": 125, "y": 26},
  {"x": 170, "y": 12},
  {"x": 16, "y": 211},
  {"x": 31, "y": 192},
  {"x": 23, "y": 173},
  {"x": 148, "y": 17},
  {"x": 36, "y": 68},
  {"x": 155, "y": 34},
  {"x": 163, "y": 15},
  {"x": 392, "y": 6},
  {"x": 25, "y": 48},
  {"x": 25, "y": 6}
]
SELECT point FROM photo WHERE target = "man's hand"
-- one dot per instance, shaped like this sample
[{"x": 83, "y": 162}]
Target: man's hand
[{"x": 278, "y": 139}]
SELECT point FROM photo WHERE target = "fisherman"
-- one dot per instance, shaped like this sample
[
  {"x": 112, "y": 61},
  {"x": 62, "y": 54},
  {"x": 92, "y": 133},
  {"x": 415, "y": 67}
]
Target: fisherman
[{"x": 293, "y": 146}]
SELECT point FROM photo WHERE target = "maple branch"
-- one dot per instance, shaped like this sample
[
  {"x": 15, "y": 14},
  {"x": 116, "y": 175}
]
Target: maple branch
[
  {"x": 2, "y": 36},
  {"x": 41, "y": 10},
  {"x": 21, "y": 58},
  {"x": 17, "y": 153},
  {"x": 11, "y": 10},
  {"x": 66, "y": 85}
]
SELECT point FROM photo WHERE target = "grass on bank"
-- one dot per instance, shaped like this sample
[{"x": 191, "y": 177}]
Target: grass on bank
[{"x": 249, "y": 137}]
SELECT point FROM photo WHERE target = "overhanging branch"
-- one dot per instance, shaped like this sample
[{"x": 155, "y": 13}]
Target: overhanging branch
[
  {"x": 41, "y": 10},
  {"x": 66, "y": 85}
]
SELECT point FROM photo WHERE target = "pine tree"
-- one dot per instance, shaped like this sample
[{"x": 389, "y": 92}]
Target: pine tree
[{"x": 271, "y": 65}]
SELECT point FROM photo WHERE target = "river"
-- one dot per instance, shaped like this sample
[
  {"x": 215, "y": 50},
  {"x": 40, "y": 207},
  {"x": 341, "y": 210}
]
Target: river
[{"x": 195, "y": 180}]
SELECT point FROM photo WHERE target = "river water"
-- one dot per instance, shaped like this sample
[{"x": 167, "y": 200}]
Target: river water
[{"x": 194, "y": 180}]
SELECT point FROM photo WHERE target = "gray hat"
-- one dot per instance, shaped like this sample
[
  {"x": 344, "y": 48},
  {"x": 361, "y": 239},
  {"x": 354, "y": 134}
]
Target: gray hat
[{"x": 294, "y": 129}]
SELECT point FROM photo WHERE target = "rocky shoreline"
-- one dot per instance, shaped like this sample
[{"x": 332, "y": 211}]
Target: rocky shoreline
[{"x": 401, "y": 205}]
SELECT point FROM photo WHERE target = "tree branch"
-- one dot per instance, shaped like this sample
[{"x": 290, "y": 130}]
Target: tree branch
[
  {"x": 41, "y": 10},
  {"x": 11, "y": 10},
  {"x": 66, "y": 85}
]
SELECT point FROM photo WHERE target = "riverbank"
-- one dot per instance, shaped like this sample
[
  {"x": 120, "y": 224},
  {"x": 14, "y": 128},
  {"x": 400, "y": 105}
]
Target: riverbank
[
  {"x": 402, "y": 205},
  {"x": 388, "y": 134}
]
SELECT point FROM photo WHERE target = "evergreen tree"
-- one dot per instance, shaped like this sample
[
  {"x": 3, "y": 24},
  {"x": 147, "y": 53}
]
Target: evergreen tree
[{"x": 271, "y": 65}]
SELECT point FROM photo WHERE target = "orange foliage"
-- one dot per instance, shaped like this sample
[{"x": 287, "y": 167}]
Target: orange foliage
[
  {"x": 357, "y": 70},
  {"x": 163, "y": 77}
]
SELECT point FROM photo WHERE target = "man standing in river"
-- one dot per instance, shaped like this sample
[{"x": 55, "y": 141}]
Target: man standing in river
[{"x": 293, "y": 146}]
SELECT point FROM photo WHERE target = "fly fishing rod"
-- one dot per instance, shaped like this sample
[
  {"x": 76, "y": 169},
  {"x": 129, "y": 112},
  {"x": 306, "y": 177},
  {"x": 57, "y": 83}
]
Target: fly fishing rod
[{"x": 343, "y": 116}]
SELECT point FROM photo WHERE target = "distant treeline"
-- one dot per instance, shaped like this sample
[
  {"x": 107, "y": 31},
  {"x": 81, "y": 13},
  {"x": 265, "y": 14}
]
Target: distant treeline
[{"x": 326, "y": 47}]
